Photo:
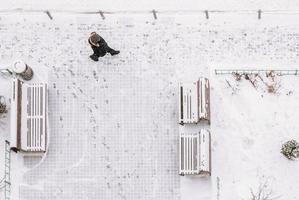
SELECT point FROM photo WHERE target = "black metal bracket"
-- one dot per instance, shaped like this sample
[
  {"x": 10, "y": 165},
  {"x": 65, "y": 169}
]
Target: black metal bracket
[
  {"x": 259, "y": 12},
  {"x": 49, "y": 14},
  {"x": 102, "y": 14},
  {"x": 155, "y": 14},
  {"x": 207, "y": 14}
]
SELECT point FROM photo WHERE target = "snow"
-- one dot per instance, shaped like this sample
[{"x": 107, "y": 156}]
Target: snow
[
  {"x": 252, "y": 138},
  {"x": 114, "y": 124},
  {"x": 152, "y": 4}
]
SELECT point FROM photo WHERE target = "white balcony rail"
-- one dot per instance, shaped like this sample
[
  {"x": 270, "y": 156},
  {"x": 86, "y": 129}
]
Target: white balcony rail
[
  {"x": 195, "y": 153},
  {"x": 204, "y": 99},
  {"x": 29, "y": 116},
  {"x": 194, "y": 101}
]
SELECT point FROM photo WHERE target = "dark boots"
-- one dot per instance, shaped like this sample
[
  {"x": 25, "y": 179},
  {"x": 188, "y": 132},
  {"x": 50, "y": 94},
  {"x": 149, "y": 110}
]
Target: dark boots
[
  {"x": 113, "y": 53},
  {"x": 99, "y": 47},
  {"x": 94, "y": 57}
]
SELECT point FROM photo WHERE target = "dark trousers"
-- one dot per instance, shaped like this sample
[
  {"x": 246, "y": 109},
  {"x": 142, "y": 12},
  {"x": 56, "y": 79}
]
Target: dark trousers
[{"x": 102, "y": 50}]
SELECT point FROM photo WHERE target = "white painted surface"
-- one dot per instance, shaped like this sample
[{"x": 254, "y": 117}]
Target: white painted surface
[
  {"x": 152, "y": 4},
  {"x": 122, "y": 111}
]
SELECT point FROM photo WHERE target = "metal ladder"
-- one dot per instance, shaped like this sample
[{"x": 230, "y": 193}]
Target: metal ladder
[{"x": 7, "y": 184}]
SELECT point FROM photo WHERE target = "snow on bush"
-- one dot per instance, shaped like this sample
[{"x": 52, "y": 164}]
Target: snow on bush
[
  {"x": 290, "y": 149},
  {"x": 3, "y": 107},
  {"x": 267, "y": 82},
  {"x": 3, "y": 111},
  {"x": 263, "y": 192}
]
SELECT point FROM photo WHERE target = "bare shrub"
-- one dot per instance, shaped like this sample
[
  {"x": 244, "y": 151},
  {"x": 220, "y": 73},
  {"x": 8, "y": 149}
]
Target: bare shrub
[
  {"x": 268, "y": 81},
  {"x": 237, "y": 76},
  {"x": 263, "y": 192},
  {"x": 3, "y": 107},
  {"x": 252, "y": 78},
  {"x": 234, "y": 88},
  {"x": 270, "y": 74},
  {"x": 272, "y": 88}
]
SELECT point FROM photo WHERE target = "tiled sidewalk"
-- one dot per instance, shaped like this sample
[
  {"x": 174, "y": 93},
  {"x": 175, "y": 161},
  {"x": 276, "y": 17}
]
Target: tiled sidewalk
[{"x": 113, "y": 124}]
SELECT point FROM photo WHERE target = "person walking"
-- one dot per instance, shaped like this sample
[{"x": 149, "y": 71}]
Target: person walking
[{"x": 99, "y": 47}]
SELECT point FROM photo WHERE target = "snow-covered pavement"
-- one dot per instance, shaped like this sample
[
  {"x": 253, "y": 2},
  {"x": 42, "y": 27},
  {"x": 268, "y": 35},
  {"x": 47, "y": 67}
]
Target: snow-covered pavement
[{"x": 113, "y": 123}]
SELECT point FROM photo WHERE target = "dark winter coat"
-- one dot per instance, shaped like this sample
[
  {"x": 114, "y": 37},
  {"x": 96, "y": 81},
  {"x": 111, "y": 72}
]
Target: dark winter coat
[{"x": 102, "y": 49}]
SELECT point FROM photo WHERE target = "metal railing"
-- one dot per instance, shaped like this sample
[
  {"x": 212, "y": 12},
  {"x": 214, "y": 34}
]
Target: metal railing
[
  {"x": 256, "y": 71},
  {"x": 153, "y": 12}
]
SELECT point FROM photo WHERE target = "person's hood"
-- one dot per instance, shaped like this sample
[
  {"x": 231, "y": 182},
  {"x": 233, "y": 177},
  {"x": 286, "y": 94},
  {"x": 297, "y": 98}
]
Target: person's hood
[{"x": 94, "y": 38}]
